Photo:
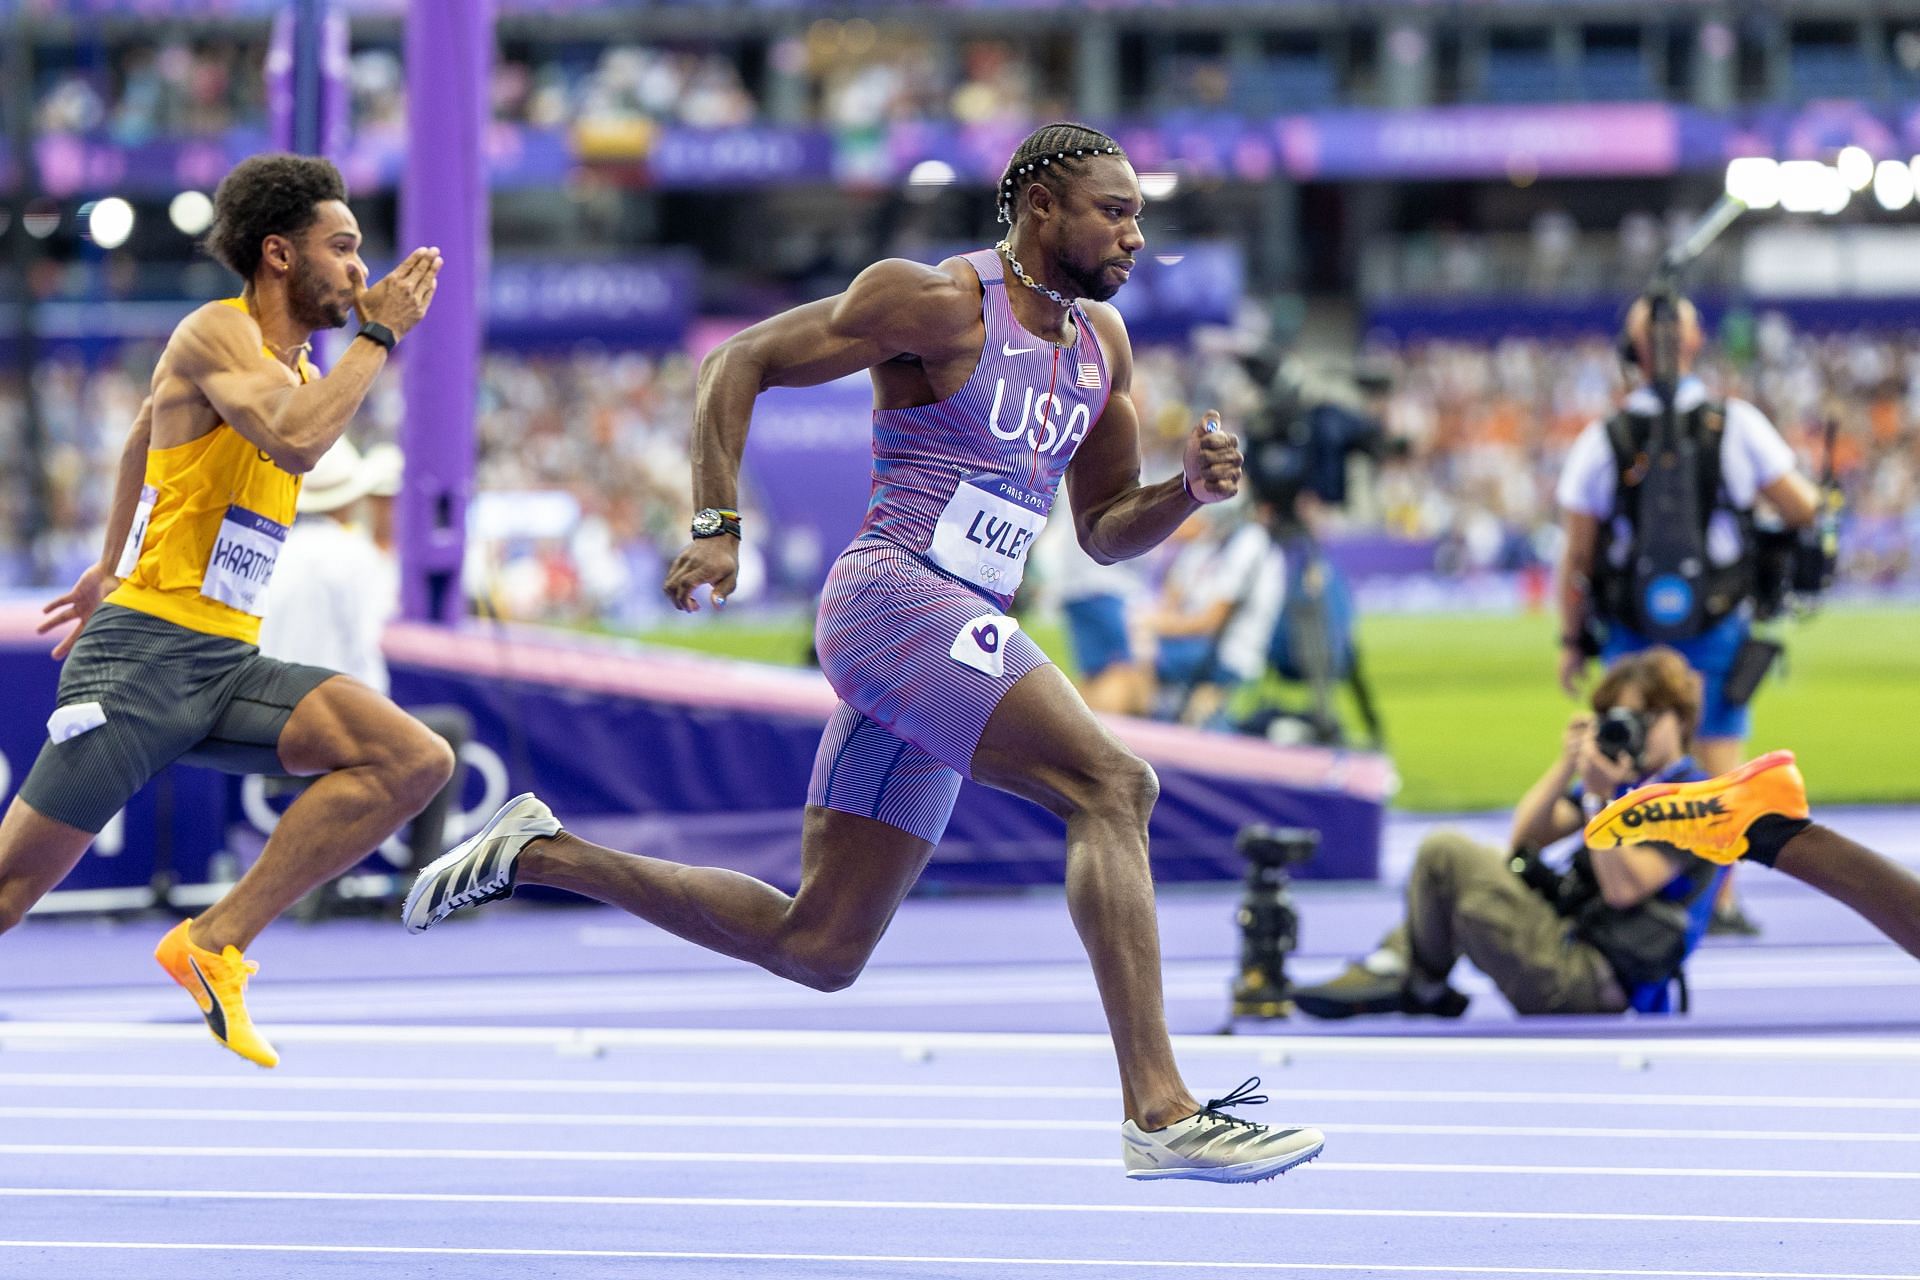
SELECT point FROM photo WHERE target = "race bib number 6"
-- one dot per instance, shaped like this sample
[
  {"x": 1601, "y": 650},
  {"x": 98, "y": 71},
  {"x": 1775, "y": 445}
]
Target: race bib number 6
[
  {"x": 242, "y": 562},
  {"x": 986, "y": 531}
]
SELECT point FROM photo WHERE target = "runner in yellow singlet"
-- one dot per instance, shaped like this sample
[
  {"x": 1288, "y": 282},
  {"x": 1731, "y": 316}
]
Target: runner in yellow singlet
[{"x": 163, "y": 665}]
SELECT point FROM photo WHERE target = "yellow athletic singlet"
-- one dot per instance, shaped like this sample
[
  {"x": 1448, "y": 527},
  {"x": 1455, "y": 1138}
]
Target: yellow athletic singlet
[{"x": 213, "y": 516}]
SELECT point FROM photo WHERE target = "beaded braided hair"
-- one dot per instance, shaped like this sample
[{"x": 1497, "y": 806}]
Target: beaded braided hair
[{"x": 1051, "y": 154}]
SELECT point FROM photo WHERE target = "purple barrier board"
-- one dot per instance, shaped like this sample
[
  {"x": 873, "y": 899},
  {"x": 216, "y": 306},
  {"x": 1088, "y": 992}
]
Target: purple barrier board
[
  {"x": 703, "y": 760},
  {"x": 174, "y": 826},
  {"x": 706, "y": 760}
]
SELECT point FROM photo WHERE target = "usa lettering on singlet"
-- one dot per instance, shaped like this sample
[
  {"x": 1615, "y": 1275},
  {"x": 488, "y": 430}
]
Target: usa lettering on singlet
[{"x": 969, "y": 481}]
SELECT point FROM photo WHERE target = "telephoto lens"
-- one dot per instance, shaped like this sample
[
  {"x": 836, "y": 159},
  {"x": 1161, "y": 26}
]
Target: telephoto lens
[{"x": 1621, "y": 734}]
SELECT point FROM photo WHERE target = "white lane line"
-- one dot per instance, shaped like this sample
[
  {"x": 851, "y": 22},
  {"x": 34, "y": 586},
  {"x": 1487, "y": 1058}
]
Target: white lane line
[
  {"x": 1735, "y": 1048},
  {"x": 279, "y": 1081},
  {"x": 1132, "y": 1264},
  {"x": 929, "y": 1206},
  {"x": 536, "y": 1155},
  {"x": 730, "y": 1120},
  {"x": 594, "y": 996}
]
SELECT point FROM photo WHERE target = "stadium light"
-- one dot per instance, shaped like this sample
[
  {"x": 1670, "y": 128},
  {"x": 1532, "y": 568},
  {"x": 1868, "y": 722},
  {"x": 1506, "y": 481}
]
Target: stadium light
[
  {"x": 1754, "y": 181},
  {"x": 1158, "y": 186},
  {"x": 191, "y": 212},
  {"x": 40, "y": 219},
  {"x": 107, "y": 222},
  {"x": 1856, "y": 168},
  {"x": 930, "y": 173},
  {"x": 1807, "y": 186},
  {"x": 1893, "y": 185}
]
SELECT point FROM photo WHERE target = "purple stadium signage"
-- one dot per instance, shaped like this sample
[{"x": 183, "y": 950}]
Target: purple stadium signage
[
  {"x": 1463, "y": 142},
  {"x": 649, "y": 299},
  {"x": 809, "y": 462},
  {"x": 1597, "y": 140},
  {"x": 751, "y": 155}
]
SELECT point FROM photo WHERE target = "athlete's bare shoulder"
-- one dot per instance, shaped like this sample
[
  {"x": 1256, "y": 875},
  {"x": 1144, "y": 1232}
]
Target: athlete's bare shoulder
[
  {"x": 214, "y": 349},
  {"x": 916, "y": 305},
  {"x": 212, "y": 336}
]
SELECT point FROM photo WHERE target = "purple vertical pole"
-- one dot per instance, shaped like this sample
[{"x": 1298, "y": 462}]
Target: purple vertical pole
[
  {"x": 443, "y": 201},
  {"x": 309, "y": 98},
  {"x": 308, "y": 63}
]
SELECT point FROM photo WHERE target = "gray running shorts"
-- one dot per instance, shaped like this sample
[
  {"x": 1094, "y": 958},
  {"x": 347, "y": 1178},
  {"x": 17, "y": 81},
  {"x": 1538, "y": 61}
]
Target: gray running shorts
[{"x": 138, "y": 693}]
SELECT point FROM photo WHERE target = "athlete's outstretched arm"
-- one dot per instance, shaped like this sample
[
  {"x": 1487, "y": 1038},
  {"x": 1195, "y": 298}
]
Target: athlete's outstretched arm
[
  {"x": 1115, "y": 516},
  {"x": 99, "y": 579},
  {"x": 894, "y": 307},
  {"x": 217, "y": 350}
]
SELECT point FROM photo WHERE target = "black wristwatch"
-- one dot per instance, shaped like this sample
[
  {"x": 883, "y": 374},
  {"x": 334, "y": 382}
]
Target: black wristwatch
[
  {"x": 374, "y": 331},
  {"x": 711, "y": 522}
]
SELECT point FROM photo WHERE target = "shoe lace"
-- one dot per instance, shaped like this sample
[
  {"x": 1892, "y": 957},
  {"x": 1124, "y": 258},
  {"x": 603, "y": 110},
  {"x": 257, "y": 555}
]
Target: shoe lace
[
  {"x": 1243, "y": 1095},
  {"x": 229, "y": 978}
]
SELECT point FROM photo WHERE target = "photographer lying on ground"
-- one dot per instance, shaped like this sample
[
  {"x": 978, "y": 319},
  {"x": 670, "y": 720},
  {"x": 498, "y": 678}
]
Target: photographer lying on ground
[{"x": 1608, "y": 934}]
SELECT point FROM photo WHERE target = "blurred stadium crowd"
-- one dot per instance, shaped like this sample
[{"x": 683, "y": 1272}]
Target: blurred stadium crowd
[
  {"x": 590, "y": 442},
  {"x": 1487, "y": 426},
  {"x": 852, "y": 75}
]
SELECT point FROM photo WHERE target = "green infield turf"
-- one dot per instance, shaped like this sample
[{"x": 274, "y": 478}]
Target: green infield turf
[{"x": 1473, "y": 715}]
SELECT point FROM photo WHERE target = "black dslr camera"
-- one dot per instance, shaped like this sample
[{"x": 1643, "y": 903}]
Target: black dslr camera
[
  {"x": 1269, "y": 923},
  {"x": 1621, "y": 735}
]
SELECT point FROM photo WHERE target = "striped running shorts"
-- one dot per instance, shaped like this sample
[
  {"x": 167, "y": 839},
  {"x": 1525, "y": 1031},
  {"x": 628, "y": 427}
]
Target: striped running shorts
[{"x": 920, "y": 660}]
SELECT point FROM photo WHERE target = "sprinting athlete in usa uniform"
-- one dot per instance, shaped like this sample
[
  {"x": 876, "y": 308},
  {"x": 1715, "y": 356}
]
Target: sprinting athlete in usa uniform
[
  {"x": 163, "y": 664},
  {"x": 996, "y": 375}
]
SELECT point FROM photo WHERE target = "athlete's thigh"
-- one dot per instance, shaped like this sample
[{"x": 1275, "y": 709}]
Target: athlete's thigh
[
  {"x": 1043, "y": 743},
  {"x": 341, "y": 723},
  {"x": 36, "y": 853},
  {"x": 854, "y": 872},
  {"x": 921, "y": 655}
]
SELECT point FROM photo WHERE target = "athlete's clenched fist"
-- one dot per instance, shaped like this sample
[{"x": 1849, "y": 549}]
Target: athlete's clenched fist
[{"x": 1212, "y": 462}]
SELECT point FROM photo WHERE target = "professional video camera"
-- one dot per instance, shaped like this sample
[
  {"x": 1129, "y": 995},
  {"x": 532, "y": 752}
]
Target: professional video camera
[
  {"x": 1298, "y": 442},
  {"x": 1269, "y": 923},
  {"x": 1794, "y": 567}
]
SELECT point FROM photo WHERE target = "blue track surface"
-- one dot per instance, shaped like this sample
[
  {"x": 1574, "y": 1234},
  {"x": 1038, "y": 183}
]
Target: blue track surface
[{"x": 567, "y": 1093}]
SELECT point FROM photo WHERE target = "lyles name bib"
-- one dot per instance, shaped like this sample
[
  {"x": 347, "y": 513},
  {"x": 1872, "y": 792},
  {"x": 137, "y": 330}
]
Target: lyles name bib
[
  {"x": 242, "y": 561},
  {"x": 986, "y": 531}
]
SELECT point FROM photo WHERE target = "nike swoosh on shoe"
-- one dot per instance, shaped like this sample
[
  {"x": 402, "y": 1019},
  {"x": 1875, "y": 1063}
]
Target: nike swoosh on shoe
[{"x": 215, "y": 1015}]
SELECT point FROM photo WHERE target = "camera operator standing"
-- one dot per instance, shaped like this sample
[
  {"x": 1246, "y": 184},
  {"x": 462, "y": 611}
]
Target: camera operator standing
[
  {"x": 1660, "y": 547},
  {"x": 1608, "y": 934}
]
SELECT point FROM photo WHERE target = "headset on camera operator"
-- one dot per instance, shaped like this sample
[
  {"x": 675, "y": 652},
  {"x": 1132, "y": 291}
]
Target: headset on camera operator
[
  {"x": 1609, "y": 932},
  {"x": 1658, "y": 511}
]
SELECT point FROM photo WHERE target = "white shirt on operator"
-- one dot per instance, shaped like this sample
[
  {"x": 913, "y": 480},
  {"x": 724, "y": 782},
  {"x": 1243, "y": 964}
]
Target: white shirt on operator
[
  {"x": 1753, "y": 455},
  {"x": 329, "y": 601}
]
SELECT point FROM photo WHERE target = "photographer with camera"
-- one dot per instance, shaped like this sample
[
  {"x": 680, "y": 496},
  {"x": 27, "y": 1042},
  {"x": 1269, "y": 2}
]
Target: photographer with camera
[
  {"x": 1607, "y": 934},
  {"x": 1660, "y": 540}
]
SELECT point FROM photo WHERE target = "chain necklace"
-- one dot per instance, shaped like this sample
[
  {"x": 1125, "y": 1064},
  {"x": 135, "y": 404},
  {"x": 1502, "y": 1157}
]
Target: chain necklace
[
  {"x": 299, "y": 353},
  {"x": 1020, "y": 274}
]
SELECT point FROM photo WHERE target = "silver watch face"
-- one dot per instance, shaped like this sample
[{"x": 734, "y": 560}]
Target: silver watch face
[{"x": 706, "y": 523}]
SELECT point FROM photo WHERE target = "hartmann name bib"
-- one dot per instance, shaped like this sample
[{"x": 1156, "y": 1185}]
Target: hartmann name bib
[{"x": 243, "y": 558}]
